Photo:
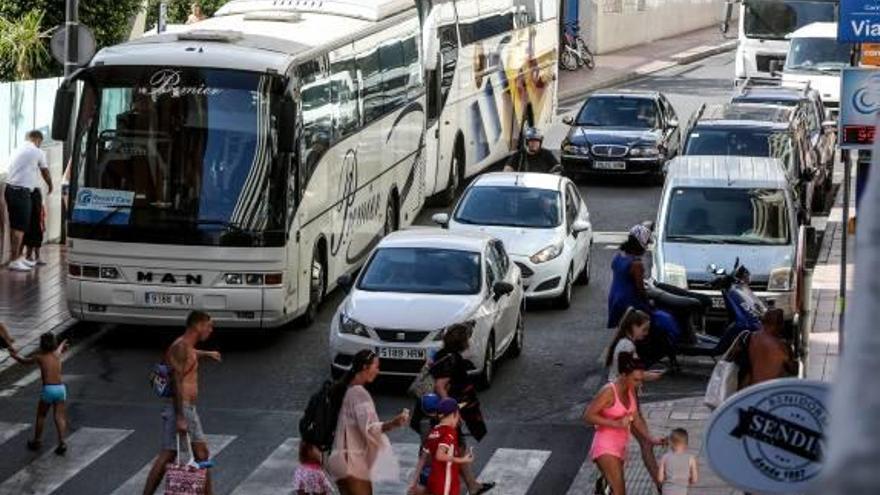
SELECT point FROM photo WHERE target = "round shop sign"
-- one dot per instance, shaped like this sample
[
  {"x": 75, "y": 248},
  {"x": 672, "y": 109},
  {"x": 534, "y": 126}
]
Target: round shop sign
[{"x": 770, "y": 438}]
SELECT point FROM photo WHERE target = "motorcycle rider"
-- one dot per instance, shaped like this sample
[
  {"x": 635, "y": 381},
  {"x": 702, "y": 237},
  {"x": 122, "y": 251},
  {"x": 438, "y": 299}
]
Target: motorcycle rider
[{"x": 533, "y": 157}]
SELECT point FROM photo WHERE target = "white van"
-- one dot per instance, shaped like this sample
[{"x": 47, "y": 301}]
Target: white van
[{"x": 816, "y": 58}]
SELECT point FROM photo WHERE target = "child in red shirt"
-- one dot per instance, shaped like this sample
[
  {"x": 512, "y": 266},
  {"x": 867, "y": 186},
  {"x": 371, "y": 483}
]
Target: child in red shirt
[{"x": 442, "y": 443}]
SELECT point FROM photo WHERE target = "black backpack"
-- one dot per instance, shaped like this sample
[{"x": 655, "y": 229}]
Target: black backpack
[{"x": 318, "y": 424}]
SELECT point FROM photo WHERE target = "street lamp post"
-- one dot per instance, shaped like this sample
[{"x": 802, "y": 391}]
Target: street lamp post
[{"x": 72, "y": 31}]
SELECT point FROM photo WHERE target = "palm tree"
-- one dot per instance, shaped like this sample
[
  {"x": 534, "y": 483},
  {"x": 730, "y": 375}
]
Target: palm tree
[{"x": 23, "y": 44}]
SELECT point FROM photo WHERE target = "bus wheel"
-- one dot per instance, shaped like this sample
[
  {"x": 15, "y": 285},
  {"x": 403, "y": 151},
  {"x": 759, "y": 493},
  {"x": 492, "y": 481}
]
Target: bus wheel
[
  {"x": 456, "y": 176},
  {"x": 318, "y": 287}
]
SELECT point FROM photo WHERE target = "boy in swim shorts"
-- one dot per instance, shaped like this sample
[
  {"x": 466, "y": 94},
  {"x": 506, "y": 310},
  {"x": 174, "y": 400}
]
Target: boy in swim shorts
[{"x": 54, "y": 392}]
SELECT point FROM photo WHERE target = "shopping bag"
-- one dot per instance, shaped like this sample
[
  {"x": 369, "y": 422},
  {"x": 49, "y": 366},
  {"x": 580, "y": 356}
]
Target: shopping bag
[
  {"x": 185, "y": 479},
  {"x": 724, "y": 381}
]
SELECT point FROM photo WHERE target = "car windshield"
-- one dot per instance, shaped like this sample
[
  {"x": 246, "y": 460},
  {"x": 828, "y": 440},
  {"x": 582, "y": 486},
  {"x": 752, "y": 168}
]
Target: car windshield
[
  {"x": 422, "y": 271},
  {"x": 774, "y": 19},
  {"x": 817, "y": 55},
  {"x": 619, "y": 111},
  {"x": 178, "y": 156},
  {"x": 510, "y": 207},
  {"x": 738, "y": 142},
  {"x": 728, "y": 215}
]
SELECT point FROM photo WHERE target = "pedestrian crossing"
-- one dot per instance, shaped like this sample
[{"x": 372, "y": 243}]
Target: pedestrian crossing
[{"x": 514, "y": 471}]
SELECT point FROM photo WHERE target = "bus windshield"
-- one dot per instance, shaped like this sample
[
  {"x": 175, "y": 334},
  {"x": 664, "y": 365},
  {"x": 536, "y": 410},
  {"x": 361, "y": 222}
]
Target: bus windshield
[
  {"x": 773, "y": 19},
  {"x": 178, "y": 156}
]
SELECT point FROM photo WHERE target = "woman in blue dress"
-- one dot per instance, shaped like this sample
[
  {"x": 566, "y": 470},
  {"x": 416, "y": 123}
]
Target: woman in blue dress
[{"x": 628, "y": 275}]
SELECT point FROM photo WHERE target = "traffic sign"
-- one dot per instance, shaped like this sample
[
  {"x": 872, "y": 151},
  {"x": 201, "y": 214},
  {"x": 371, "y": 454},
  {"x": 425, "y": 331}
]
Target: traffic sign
[
  {"x": 85, "y": 45},
  {"x": 859, "y": 107},
  {"x": 770, "y": 437},
  {"x": 859, "y": 21}
]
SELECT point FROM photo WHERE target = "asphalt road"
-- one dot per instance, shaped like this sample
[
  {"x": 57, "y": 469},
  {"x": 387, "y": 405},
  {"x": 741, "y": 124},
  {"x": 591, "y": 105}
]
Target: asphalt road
[{"x": 254, "y": 398}]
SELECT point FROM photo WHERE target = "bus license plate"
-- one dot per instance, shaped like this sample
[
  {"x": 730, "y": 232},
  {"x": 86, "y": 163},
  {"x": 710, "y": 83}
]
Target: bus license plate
[
  {"x": 164, "y": 299},
  {"x": 718, "y": 303},
  {"x": 401, "y": 353},
  {"x": 609, "y": 165}
]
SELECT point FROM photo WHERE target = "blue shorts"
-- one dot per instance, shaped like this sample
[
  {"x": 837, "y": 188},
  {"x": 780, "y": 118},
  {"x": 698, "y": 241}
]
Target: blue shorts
[{"x": 53, "y": 393}]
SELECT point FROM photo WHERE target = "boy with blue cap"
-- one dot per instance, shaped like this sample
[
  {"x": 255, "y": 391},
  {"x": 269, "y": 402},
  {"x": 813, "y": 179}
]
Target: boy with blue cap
[{"x": 441, "y": 444}]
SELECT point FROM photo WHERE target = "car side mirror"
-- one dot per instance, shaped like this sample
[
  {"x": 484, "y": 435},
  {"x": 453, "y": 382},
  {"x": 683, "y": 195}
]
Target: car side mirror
[
  {"x": 286, "y": 126},
  {"x": 580, "y": 226},
  {"x": 501, "y": 289},
  {"x": 345, "y": 282},
  {"x": 441, "y": 219},
  {"x": 775, "y": 68},
  {"x": 61, "y": 113},
  {"x": 568, "y": 120}
]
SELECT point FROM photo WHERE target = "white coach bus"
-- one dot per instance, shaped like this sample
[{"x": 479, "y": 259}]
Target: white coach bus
[{"x": 241, "y": 165}]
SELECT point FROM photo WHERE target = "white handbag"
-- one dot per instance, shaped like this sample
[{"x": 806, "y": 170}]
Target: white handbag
[{"x": 724, "y": 381}]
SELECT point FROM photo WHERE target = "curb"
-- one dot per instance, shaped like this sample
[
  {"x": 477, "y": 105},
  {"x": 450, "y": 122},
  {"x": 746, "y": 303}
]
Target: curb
[{"x": 682, "y": 58}]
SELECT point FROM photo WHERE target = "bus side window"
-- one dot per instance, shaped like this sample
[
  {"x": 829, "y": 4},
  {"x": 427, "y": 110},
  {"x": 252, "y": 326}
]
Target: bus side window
[
  {"x": 371, "y": 91},
  {"x": 344, "y": 94},
  {"x": 394, "y": 75},
  {"x": 317, "y": 115}
]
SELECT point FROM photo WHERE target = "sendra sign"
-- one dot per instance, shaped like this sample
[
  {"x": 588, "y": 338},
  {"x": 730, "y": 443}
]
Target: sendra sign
[
  {"x": 859, "y": 21},
  {"x": 770, "y": 438}
]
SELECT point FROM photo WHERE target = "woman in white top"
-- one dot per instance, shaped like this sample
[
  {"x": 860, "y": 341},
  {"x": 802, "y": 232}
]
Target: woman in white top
[
  {"x": 361, "y": 451},
  {"x": 634, "y": 327}
]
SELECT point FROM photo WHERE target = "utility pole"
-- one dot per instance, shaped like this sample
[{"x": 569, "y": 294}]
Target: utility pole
[{"x": 71, "y": 25}]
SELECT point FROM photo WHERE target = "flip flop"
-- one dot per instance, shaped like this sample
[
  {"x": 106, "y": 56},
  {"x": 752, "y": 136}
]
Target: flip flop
[
  {"x": 34, "y": 445},
  {"x": 61, "y": 449}
]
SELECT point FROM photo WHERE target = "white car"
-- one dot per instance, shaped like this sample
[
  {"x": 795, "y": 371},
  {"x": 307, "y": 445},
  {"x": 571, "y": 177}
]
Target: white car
[
  {"x": 542, "y": 221},
  {"x": 415, "y": 284}
]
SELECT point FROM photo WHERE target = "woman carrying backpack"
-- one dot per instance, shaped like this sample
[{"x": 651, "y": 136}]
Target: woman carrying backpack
[{"x": 361, "y": 451}]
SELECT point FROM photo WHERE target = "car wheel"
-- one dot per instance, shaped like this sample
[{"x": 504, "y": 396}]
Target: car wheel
[
  {"x": 488, "y": 373},
  {"x": 563, "y": 301},
  {"x": 516, "y": 347},
  {"x": 318, "y": 288},
  {"x": 586, "y": 273}
]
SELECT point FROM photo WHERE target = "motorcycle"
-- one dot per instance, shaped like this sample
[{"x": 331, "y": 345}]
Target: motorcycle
[{"x": 679, "y": 325}]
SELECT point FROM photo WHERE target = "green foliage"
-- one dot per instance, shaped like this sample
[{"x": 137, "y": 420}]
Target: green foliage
[
  {"x": 23, "y": 44},
  {"x": 109, "y": 20},
  {"x": 178, "y": 10}
]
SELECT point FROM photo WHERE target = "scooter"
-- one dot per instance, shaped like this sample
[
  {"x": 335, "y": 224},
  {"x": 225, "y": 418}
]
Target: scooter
[{"x": 685, "y": 334}]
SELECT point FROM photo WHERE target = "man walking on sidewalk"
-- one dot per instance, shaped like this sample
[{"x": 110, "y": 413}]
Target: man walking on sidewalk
[
  {"x": 180, "y": 417},
  {"x": 28, "y": 163}
]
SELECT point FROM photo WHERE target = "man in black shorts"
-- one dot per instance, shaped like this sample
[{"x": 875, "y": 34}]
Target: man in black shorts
[{"x": 27, "y": 165}]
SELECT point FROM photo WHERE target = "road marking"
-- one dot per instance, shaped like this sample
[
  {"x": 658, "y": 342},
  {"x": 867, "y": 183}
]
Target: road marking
[
  {"x": 135, "y": 484},
  {"x": 408, "y": 456},
  {"x": 50, "y": 471},
  {"x": 514, "y": 470},
  {"x": 275, "y": 474},
  {"x": 609, "y": 237},
  {"x": 583, "y": 481},
  {"x": 9, "y": 430},
  {"x": 35, "y": 374}
]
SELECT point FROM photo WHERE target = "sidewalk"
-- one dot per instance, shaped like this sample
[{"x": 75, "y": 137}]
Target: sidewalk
[
  {"x": 631, "y": 63},
  {"x": 692, "y": 415},
  {"x": 34, "y": 302}
]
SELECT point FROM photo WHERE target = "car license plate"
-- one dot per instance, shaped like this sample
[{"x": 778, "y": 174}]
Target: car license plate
[
  {"x": 718, "y": 303},
  {"x": 609, "y": 165},
  {"x": 165, "y": 299},
  {"x": 401, "y": 353}
]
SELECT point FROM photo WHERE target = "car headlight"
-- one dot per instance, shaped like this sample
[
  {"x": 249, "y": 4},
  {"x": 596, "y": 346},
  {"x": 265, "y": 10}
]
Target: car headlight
[
  {"x": 675, "y": 275},
  {"x": 572, "y": 149},
  {"x": 548, "y": 253},
  {"x": 352, "y": 326},
  {"x": 780, "y": 279},
  {"x": 645, "y": 151}
]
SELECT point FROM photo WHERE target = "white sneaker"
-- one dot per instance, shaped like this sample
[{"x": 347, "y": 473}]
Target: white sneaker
[
  {"x": 28, "y": 262},
  {"x": 20, "y": 266}
]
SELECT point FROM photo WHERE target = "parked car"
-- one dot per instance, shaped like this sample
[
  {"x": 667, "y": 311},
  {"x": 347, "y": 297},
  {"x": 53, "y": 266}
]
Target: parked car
[
  {"x": 621, "y": 133},
  {"x": 716, "y": 210},
  {"x": 542, "y": 221},
  {"x": 415, "y": 284},
  {"x": 769, "y": 131},
  {"x": 821, "y": 128},
  {"x": 816, "y": 57}
]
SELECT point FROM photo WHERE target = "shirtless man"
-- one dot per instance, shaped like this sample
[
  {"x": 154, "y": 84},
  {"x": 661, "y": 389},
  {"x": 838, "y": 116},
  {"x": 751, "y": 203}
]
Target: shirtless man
[
  {"x": 53, "y": 393},
  {"x": 180, "y": 417}
]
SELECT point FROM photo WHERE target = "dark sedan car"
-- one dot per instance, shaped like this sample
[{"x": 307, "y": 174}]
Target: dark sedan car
[{"x": 621, "y": 133}]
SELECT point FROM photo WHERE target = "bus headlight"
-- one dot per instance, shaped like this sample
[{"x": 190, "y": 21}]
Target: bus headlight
[
  {"x": 109, "y": 272},
  {"x": 233, "y": 279},
  {"x": 675, "y": 275},
  {"x": 780, "y": 279},
  {"x": 351, "y": 326}
]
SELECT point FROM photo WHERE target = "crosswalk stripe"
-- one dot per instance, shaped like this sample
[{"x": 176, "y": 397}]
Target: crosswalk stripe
[
  {"x": 50, "y": 471},
  {"x": 135, "y": 484},
  {"x": 609, "y": 237},
  {"x": 408, "y": 456},
  {"x": 514, "y": 470},
  {"x": 9, "y": 430},
  {"x": 275, "y": 474},
  {"x": 582, "y": 481}
]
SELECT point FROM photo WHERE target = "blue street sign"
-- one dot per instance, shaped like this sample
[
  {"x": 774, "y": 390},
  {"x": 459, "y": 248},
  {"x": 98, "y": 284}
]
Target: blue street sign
[
  {"x": 859, "y": 21},
  {"x": 859, "y": 107}
]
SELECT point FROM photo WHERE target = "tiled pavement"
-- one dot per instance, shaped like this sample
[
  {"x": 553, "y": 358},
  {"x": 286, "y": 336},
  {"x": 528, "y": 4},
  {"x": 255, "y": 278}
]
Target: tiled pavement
[{"x": 34, "y": 302}]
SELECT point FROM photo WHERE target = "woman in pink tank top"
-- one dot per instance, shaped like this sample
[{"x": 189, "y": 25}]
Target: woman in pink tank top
[{"x": 613, "y": 412}]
